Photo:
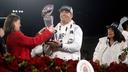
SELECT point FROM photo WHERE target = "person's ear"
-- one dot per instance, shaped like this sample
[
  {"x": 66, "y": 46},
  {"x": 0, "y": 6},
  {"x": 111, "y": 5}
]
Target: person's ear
[{"x": 71, "y": 15}]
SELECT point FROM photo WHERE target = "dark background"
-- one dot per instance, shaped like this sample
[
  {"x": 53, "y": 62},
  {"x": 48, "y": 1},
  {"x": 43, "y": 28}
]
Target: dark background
[{"x": 91, "y": 15}]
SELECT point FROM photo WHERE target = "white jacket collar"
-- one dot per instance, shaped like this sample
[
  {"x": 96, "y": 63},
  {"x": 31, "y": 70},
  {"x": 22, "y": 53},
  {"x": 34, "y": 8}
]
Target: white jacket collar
[
  {"x": 125, "y": 31},
  {"x": 68, "y": 24}
]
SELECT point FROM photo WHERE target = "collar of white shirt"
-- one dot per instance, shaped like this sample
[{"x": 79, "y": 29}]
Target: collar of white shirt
[{"x": 68, "y": 24}]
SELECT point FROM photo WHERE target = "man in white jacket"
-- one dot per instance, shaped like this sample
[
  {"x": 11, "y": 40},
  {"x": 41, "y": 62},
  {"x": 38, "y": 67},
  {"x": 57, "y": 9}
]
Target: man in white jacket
[{"x": 68, "y": 36}]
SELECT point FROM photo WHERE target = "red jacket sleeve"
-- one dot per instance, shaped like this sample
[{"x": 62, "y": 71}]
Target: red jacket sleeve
[{"x": 23, "y": 40}]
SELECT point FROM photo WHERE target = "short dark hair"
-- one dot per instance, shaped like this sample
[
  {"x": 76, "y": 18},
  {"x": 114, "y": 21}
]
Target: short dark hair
[
  {"x": 118, "y": 35},
  {"x": 125, "y": 25}
]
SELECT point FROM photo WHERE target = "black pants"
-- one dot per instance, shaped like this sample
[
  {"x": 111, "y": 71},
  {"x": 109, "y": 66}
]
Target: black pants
[{"x": 2, "y": 46}]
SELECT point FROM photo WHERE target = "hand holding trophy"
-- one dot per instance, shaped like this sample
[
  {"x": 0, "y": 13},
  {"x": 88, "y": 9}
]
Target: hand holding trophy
[{"x": 48, "y": 21}]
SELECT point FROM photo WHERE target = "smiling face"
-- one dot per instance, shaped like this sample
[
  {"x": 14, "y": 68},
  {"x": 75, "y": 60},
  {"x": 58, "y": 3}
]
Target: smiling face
[
  {"x": 65, "y": 16},
  {"x": 111, "y": 33}
]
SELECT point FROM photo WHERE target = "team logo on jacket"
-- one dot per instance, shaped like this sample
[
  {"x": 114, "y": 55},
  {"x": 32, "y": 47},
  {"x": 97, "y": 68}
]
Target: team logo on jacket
[{"x": 84, "y": 66}]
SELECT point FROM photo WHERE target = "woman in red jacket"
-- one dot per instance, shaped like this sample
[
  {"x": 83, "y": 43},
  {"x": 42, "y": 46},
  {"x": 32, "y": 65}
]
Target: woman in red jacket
[{"x": 18, "y": 44}]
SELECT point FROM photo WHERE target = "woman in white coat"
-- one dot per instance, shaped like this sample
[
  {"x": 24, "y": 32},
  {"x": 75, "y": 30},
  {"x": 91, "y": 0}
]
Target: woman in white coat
[
  {"x": 125, "y": 30},
  {"x": 110, "y": 47},
  {"x": 124, "y": 57}
]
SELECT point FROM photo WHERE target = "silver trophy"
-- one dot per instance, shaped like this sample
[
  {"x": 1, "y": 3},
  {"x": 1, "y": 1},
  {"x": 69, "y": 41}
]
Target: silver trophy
[
  {"x": 48, "y": 21},
  {"x": 46, "y": 13}
]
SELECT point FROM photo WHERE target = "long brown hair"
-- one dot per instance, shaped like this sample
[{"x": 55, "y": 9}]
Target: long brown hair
[{"x": 9, "y": 23}]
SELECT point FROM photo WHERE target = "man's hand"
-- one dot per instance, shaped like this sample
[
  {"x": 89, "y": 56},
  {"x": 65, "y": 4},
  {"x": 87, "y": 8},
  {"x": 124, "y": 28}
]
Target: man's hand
[
  {"x": 58, "y": 42},
  {"x": 53, "y": 45}
]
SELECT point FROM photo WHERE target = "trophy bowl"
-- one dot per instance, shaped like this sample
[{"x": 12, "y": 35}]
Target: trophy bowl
[
  {"x": 47, "y": 10},
  {"x": 46, "y": 14}
]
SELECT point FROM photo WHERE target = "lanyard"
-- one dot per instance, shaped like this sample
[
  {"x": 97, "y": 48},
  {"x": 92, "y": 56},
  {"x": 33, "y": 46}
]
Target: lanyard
[{"x": 61, "y": 35}]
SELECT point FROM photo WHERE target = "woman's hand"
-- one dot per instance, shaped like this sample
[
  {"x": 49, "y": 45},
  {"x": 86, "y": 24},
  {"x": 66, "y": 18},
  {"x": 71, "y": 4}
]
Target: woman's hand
[
  {"x": 122, "y": 57},
  {"x": 51, "y": 29},
  {"x": 41, "y": 30},
  {"x": 97, "y": 61}
]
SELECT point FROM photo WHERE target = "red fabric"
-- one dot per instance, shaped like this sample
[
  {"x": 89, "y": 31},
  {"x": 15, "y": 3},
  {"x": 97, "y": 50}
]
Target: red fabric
[{"x": 19, "y": 45}]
